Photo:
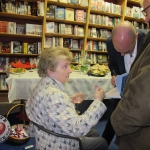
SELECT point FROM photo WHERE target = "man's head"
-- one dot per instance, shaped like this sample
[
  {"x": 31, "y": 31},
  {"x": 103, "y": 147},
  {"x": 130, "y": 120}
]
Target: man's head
[
  {"x": 124, "y": 37},
  {"x": 146, "y": 10}
]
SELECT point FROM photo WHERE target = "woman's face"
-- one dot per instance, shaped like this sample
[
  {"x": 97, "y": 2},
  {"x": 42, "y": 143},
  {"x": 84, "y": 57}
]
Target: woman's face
[{"x": 61, "y": 72}]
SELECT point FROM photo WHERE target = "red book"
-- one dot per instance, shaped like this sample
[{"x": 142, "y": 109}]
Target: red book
[{"x": 3, "y": 26}]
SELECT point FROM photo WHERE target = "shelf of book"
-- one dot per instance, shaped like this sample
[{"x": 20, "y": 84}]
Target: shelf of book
[
  {"x": 64, "y": 35},
  {"x": 100, "y": 63},
  {"x": 18, "y": 55},
  {"x": 137, "y": 2},
  {"x": 73, "y": 50},
  {"x": 67, "y": 5},
  {"x": 20, "y": 16},
  {"x": 98, "y": 52},
  {"x": 20, "y": 35},
  {"x": 105, "y": 13},
  {"x": 96, "y": 39},
  {"x": 100, "y": 26},
  {"x": 86, "y": 41},
  {"x": 134, "y": 19},
  {"x": 65, "y": 21}
]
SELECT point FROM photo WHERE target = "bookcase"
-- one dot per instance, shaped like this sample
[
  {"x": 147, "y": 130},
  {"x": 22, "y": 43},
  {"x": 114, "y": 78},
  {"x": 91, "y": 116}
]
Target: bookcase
[
  {"x": 84, "y": 40},
  {"x": 11, "y": 40}
]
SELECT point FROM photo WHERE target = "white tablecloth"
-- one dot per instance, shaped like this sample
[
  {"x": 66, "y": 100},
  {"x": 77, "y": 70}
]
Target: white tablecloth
[{"x": 20, "y": 86}]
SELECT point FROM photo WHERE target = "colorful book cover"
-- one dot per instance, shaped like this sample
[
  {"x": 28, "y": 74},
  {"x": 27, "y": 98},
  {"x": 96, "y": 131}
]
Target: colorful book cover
[
  {"x": 75, "y": 44},
  {"x": 35, "y": 47},
  {"x": 83, "y": 2},
  {"x": 60, "y": 13},
  {"x": 5, "y": 47},
  {"x": 30, "y": 48},
  {"x": 66, "y": 43},
  {"x": 128, "y": 11},
  {"x": 40, "y": 8},
  {"x": 30, "y": 29},
  {"x": 33, "y": 8},
  {"x": 100, "y": 5},
  {"x": 20, "y": 29},
  {"x": 3, "y": 26},
  {"x": 105, "y": 60},
  {"x": 56, "y": 27},
  {"x": 50, "y": 27},
  {"x": 2, "y": 64},
  {"x": 136, "y": 12},
  {"x": 68, "y": 29},
  {"x": 79, "y": 15},
  {"x": 50, "y": 12},
  {"x": 39, "y": 47},
  {"x": 47, "y": 42},
  {"x": 80, "y": 31},
  {"x": 95, "y": 45},
  {"x": 74, "y": 2},
  {"x": 60, "y": 41},
  {"x": 38, "y": 30},
  {"x": 100, "y": 58},
  {"x": 62, "y": 28},
  {"x": 94, "y": 4},
  {"x": 63, "y": 1},
  {"x": 56, "y": 41},
  {"x": 25, "y": 48},
  {"x": 12, "y": 27},
  {"x": 1, "y": 44},
  {"x": 69, "y": 14},
  {"x": 16, "y": 47},
  {"x": 81, "y": 44}
]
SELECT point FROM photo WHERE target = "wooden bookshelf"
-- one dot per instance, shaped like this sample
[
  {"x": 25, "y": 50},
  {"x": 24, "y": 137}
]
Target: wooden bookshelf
[{"x": 41, "y": 20}]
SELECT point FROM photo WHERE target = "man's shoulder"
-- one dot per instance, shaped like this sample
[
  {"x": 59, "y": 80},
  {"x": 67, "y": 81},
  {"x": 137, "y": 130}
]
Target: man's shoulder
[
  {"x": 109, "y": 39},
  {"x": 110, "y": 46},
  {"x": 142, "y": 31}
]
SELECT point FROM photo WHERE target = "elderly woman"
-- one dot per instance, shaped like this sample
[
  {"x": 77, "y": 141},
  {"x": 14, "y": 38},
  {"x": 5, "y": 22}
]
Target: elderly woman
[{"x": 51, "y": 107}]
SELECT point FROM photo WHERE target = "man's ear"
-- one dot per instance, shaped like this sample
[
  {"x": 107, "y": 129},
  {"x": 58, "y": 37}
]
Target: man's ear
[
  {"x": 49, "y": 72},
  {"x": 137, "y": 35}
]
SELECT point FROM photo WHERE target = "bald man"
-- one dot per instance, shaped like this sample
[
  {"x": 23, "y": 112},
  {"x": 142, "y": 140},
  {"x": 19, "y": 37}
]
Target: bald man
[
  {"x": 131, "y": 119},
  {"x": 122, "y": 49}
]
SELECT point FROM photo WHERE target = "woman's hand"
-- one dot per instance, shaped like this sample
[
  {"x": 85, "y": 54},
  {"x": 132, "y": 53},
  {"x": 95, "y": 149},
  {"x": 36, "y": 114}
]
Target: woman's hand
[
  {"x": 77, "y": 98},
  {"x": 99, "y": 93}
]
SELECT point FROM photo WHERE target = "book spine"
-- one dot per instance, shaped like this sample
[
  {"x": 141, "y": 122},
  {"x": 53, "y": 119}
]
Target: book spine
[{"x": 25, "y": 48}]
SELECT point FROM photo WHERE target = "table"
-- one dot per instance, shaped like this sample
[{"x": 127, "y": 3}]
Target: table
[{"x": 21, "y": 85}]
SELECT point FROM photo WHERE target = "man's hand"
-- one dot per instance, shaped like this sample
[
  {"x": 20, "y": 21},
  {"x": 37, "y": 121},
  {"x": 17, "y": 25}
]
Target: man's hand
[{"x": 113, "y": 80}]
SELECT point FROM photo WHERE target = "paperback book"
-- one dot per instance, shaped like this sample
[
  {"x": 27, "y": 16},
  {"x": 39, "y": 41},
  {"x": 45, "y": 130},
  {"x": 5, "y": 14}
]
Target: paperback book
[{"x": 60, "y": 13}]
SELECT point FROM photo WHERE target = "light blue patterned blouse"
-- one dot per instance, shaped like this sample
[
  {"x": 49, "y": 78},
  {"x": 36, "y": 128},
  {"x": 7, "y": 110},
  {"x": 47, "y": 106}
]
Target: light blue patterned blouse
[{"x": 50, "y": 106}]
